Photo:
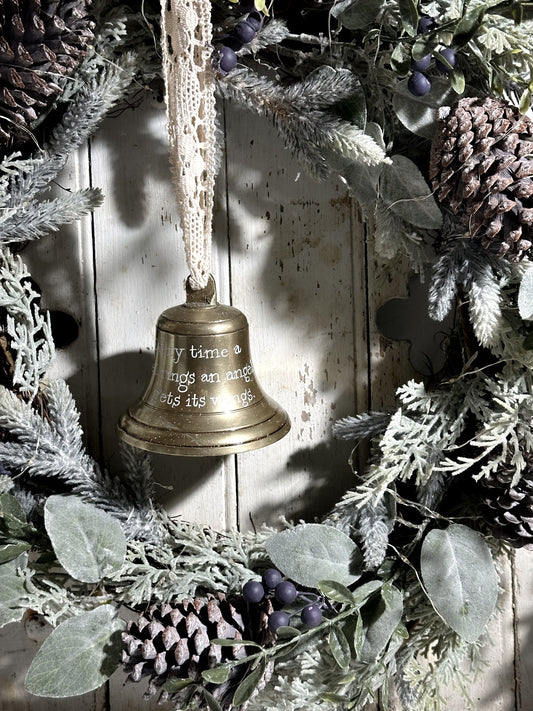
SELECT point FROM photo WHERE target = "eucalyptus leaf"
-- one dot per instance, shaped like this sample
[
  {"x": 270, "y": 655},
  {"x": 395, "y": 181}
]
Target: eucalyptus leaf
[
  {"x": 419, "y": 113},
  {"x": 312, "y": 552},
  {"x": 404, "y": 191},
  {"x": 457, "y": 81},
  {"x": 217, "y": 675},
  {"x": 460, "y": 579},
  {"x": 78, "y": 656},
  {"x": 13, "y": 518},
  {"x": 356, "y": 14},
  {"x": 175, "y": 685},
  {"x": 249, "y": 684},
  {"x": 409, "y": 15},
  {"x": 9, "y": 551},
  {"x": 359, "y": 636},
  {"x": 286, "y": 632},
  {"x": 363, "y": 592},
  {"x": 525, "y": 296},
  {"x": 10, "y": 505},
  {"x": 467, "y": 26},
  {"x": 89, "y": 543},
  {"x": 340, "y": 648},
  {"x": 212, "y": 703},
  {"x": 13, "y": 594},
  {"x": 380, "y": 624},
  {"x": 336, "y": 591}
]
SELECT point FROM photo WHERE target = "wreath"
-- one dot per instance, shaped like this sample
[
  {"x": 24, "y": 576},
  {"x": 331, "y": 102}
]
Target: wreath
[{"x": 422, "y": 110}]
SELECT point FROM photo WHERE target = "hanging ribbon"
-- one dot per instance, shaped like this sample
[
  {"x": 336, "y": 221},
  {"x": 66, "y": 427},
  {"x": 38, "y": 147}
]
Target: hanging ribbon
[{"x": 186, "y": 34}]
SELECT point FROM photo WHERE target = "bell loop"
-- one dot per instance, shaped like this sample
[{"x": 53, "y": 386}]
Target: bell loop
[{"x": 205, "y": 296}]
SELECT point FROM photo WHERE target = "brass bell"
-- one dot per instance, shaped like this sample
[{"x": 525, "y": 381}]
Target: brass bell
[{"x": 203, "y": 398}]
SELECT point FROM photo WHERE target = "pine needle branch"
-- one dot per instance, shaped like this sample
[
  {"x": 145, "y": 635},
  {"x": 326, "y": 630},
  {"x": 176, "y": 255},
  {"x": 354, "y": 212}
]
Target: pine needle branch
[
  {"x": 37, "y": 219},
  {"x": 299, "y": 114}
]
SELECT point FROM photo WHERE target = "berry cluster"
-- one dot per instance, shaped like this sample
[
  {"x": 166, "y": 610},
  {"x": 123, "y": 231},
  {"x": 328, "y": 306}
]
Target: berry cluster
[
  {"x": 242, "y": 33},
  {"x": 419, "y": 84},
  {"x": 283, "y": 592}
]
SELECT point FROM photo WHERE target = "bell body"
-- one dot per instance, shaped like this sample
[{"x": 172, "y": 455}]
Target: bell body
[{"x": 203, "y": 398}]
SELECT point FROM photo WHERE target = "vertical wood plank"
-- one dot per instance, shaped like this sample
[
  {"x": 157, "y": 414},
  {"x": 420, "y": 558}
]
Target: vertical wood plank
[
  {"x": 524, "y": 629},
  {"x": 291, "y": 274}
]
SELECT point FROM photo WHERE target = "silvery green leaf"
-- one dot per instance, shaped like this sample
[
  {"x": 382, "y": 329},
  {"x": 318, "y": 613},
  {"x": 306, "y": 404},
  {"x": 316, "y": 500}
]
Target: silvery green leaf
[
  {"x": 363, "y": 592},
  {"x": 249, "y": 684},
  {"x": 13, "y": 516},
  {"x": 12, "y": 590},
  {"x": 78, "y": 656},
  {"x": 460, "y": 579},
  {"x": 9, "y": 505},
  {"x": 340, "y": 648},
  {"x": 336, "y": 591},
  {"x": 355, "y": 14},
  {"x": 88, "y": 542},
  {"x": 358, "y": 636},
  {"x": 419, "y": 113},
  {"x": 525, "y": 296},
  {"x": 212, "y": 703},
  {"x": 409, "y": 15},
  {"x": 404, "y": 191},
  {"x": 384, "y": 618},
  {"x": 312, "y": 552},
  {"x": 9, "y": 551},
  {"x": 217, "y": 675}
]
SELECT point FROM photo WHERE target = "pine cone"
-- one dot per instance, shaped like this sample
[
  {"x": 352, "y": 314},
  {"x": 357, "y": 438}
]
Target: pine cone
[
  {"x": 174, "y": 641},
  {"x": 481, "y": 167},
  {"x": 41, "y": 41},
  {"x": 509, "y": 508}
]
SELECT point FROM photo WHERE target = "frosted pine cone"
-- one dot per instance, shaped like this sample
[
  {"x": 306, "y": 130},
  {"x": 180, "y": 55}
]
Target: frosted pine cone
[
  {"x": 174, "y": 642},
  {"x": 481, "y": 168},
  {"x": 41, "y": 41},
  {"x": 509, "y": 511}
]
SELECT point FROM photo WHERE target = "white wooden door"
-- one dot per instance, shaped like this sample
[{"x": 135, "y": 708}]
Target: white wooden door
[{"x": 292, "y": 255}]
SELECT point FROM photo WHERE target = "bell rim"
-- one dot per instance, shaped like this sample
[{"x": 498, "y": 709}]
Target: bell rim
[{"x": 202, "y": 449}]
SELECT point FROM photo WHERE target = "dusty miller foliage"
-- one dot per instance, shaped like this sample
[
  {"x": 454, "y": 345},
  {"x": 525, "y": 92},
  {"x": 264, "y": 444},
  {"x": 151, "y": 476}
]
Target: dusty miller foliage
[{"x": 463, "y": 428}]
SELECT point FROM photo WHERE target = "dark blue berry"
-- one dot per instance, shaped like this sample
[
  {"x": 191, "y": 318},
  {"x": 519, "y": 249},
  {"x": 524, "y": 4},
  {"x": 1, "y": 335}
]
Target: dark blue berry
[
  {"x": 243, "y": 31},
  {"x": 255, "y": 20},
  {"x": 285, "y": 592},
  {"x": 420, "y": 65},
  {"x": 278, "y": 619},
  {"x": 227, "y": 59},
  {"x": 271, "y": 578},
  {"x": 418, "y": 84},
  {"x": 425, "y": 24},
  {"x": 449, "y": 56},
  {"x": 311, "y": 615},
  {"x": 253, "y": 591}
]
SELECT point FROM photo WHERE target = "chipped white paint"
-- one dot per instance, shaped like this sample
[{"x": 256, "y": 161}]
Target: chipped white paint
[{"x": 291, "y": 254}]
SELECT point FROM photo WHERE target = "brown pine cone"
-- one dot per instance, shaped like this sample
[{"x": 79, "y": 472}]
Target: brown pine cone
[
  {"x": 509, "y": 507},
  {"x": 481, "y": 168},
  {"x": 41, "y": 43},
  {"x": 174, "y": 642}
]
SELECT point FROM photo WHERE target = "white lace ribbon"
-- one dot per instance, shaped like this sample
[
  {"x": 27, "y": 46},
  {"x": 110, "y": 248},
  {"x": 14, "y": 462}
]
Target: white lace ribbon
[{"x": 186, "y": 34}]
